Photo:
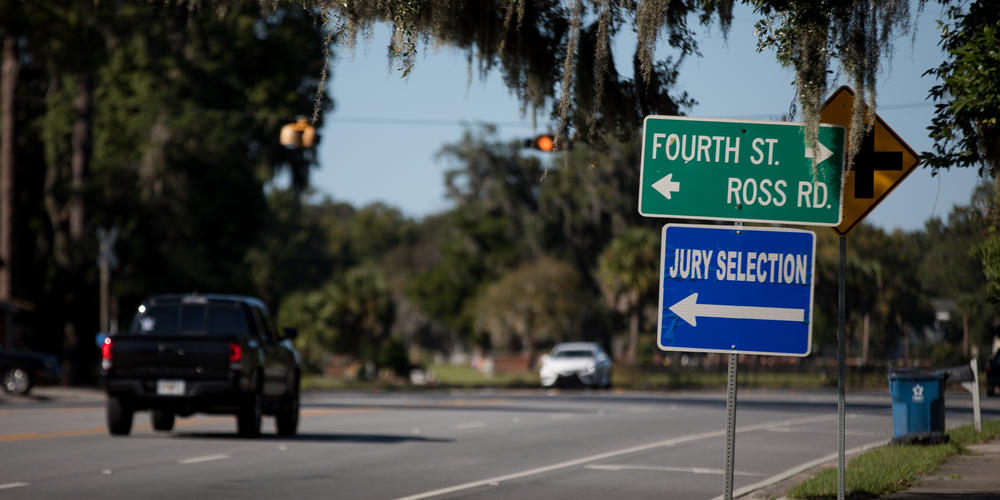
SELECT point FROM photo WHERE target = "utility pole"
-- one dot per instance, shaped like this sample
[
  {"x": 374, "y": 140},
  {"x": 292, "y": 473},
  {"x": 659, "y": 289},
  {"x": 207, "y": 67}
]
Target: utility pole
[
  {"x": 106, "y": 261},
  {"x": 9, "y": 72}
]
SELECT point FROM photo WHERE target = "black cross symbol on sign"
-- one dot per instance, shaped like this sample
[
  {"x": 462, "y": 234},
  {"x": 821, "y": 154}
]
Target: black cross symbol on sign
[{"x": 868, "y": 161}]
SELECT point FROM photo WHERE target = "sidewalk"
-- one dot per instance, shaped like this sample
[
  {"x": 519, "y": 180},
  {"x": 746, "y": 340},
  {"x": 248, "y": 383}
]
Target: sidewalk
[
  {"x": 55, "y": 394},
  {"x": 975, "y": 475}
]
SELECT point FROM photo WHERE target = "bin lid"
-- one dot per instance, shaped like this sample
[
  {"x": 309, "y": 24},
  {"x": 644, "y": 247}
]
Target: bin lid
[{"x": 919, "y": 373}]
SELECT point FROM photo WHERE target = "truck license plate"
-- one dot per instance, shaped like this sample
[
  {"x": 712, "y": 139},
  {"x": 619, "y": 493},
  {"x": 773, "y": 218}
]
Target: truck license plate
[{"x": 170, "y": 387}]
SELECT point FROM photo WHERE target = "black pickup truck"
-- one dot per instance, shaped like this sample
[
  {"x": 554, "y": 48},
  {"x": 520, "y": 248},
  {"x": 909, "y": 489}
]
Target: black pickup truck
[{"x": 186, "y": 354}]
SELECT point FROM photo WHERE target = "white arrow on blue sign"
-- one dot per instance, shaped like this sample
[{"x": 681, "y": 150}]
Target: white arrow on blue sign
[{"x": 734, "y": 289}]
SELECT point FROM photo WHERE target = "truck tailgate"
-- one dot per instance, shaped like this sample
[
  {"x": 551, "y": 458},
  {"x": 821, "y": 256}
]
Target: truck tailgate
[{"x": 171, "y": 357}]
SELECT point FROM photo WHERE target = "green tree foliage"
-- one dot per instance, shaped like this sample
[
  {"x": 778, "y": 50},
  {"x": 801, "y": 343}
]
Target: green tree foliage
[
  {"x": 352, "y": 314},
  {"x": 950, "y": 269},
  {"x": 378, "y": 229},
  {"x": 628, "y": 283},
  {"x": 588, "y": 198},
  {"x": 312, "y": 313},
  {"x": 512, "y": 208},
  {"x": 885, "y": 302},
  {"x": 988, "y": 251},
  {"x": 896, "y": 281},
  {"x": 392, "y": 356},
  {"x": 496, "y": 188},
  {"x": 492, "y": 227},
  {"x": 162, "y": 123},
  {"x": 180, "y": 130},
  {"x": 539, "y": 302},
  {"x": 965, "y": 127},
  {"x": 299, "y": 247}
]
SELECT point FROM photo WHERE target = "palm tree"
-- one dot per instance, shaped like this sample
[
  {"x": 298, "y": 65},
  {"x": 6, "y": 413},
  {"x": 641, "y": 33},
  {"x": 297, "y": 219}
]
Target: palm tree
[{"x": 627, "y": 272}]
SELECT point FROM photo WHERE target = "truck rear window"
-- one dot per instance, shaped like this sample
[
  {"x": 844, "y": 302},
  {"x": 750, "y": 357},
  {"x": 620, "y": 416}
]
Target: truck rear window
[{"x": 211, "y": 319}]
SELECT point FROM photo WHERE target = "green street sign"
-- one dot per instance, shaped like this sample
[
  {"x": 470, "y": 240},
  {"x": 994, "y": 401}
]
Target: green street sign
[{"x": 732, "y": 170}]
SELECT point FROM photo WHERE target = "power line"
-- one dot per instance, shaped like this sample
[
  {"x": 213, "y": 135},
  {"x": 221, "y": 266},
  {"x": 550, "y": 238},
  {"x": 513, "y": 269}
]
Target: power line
[
  {"x": 885, "y": 107},
  {"x": 432, "y": 122},
  {"x": 447, "y": 122}
]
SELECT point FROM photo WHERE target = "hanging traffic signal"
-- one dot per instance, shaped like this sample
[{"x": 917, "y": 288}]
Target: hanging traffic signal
[
  {"x": 544, "y": 142},
  {"x": 298, "y": 135}
]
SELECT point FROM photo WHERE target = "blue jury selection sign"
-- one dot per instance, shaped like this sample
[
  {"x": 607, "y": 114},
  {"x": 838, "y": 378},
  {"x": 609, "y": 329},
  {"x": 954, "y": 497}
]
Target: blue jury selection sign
[{"x": 734, "y": 289}]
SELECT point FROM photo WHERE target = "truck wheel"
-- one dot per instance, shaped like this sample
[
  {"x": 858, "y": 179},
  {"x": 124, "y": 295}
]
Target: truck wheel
[
  {"x": 17, "y": 381},
  {"x": 287, "y": 419},
  {"x": 119, "y": 417},
  {"x": 248, "y": 419},
  {"x": 163, "y": 420}
]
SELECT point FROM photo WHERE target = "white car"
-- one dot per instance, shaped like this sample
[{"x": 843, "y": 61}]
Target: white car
[{"x": 576, "y": 363}]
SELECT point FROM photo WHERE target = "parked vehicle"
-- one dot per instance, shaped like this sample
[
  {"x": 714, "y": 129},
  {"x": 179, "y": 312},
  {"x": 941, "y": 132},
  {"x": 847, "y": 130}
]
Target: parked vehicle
[
  {"x": 993, "y": 375},
  {"x": 574, "y": 363},
  {"x": 22, "y": 370},
  {"x": 186, "y": 354}
]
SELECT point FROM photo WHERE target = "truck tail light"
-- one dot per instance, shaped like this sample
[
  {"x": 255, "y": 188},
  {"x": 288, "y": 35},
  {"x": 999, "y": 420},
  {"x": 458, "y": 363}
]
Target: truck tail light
[
  {"x": 235, "y": 352},
  {"x": 107, "y": 354}
]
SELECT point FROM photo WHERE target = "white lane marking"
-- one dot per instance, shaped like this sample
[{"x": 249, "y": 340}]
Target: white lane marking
[
  {"x": 560, "y": 416},
  {"x": 470, "y": 425},
  {"x": 849, "y": 433},
  {"x": 692, "y": 470},
  {"x": 206, "y": 458},
  {"x": 610, "y": 454},
  {"x": 13, "y": 485},
  {"x": 806, "y": 466}
]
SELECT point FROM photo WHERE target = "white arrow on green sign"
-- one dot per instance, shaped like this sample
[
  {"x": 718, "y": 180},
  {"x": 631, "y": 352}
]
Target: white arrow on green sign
[{"x": 733, "y": 170}]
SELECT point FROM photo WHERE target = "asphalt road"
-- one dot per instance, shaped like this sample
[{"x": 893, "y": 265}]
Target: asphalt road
[{"x": 525, "y": 444}]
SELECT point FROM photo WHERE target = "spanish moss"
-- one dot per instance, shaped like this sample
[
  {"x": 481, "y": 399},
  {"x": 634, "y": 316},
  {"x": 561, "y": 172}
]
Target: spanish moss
[
  {"x": 809, "y": 35},
  {"x": 567, "y": 76}
]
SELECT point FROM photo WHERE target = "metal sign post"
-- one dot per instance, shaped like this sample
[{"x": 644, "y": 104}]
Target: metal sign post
[
  {"x": 730, "y": 425},
  {"x": 731, "y": 378},
  {"x": 841, "y": 311}
]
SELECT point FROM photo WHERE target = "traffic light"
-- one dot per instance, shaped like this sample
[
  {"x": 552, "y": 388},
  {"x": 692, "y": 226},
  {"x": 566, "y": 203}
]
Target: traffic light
[
  {"x": 544, "y": 142},
  {"x": 298, "y": 135}
]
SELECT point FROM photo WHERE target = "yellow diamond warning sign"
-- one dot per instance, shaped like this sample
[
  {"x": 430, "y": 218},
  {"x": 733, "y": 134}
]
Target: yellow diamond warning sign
[{"x": 882, "y": 162}]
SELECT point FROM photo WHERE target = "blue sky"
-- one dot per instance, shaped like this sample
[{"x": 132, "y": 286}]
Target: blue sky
[{"x": 381, "y": 140}]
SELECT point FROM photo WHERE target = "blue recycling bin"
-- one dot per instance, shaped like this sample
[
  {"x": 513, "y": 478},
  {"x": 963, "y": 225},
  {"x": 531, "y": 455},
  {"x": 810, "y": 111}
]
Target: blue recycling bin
[{"x": 917, "y": 405}]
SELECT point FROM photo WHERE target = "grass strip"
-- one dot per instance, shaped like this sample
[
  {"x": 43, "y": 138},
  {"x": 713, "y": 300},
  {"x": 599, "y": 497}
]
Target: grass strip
[
  {"x": 891, "y": 468},
  {"x": 467, "y": 376},
  {"x": 443, "y": 376},
  {"x": 636, "y": 378},
  {"x": 623, "y": 377}
]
